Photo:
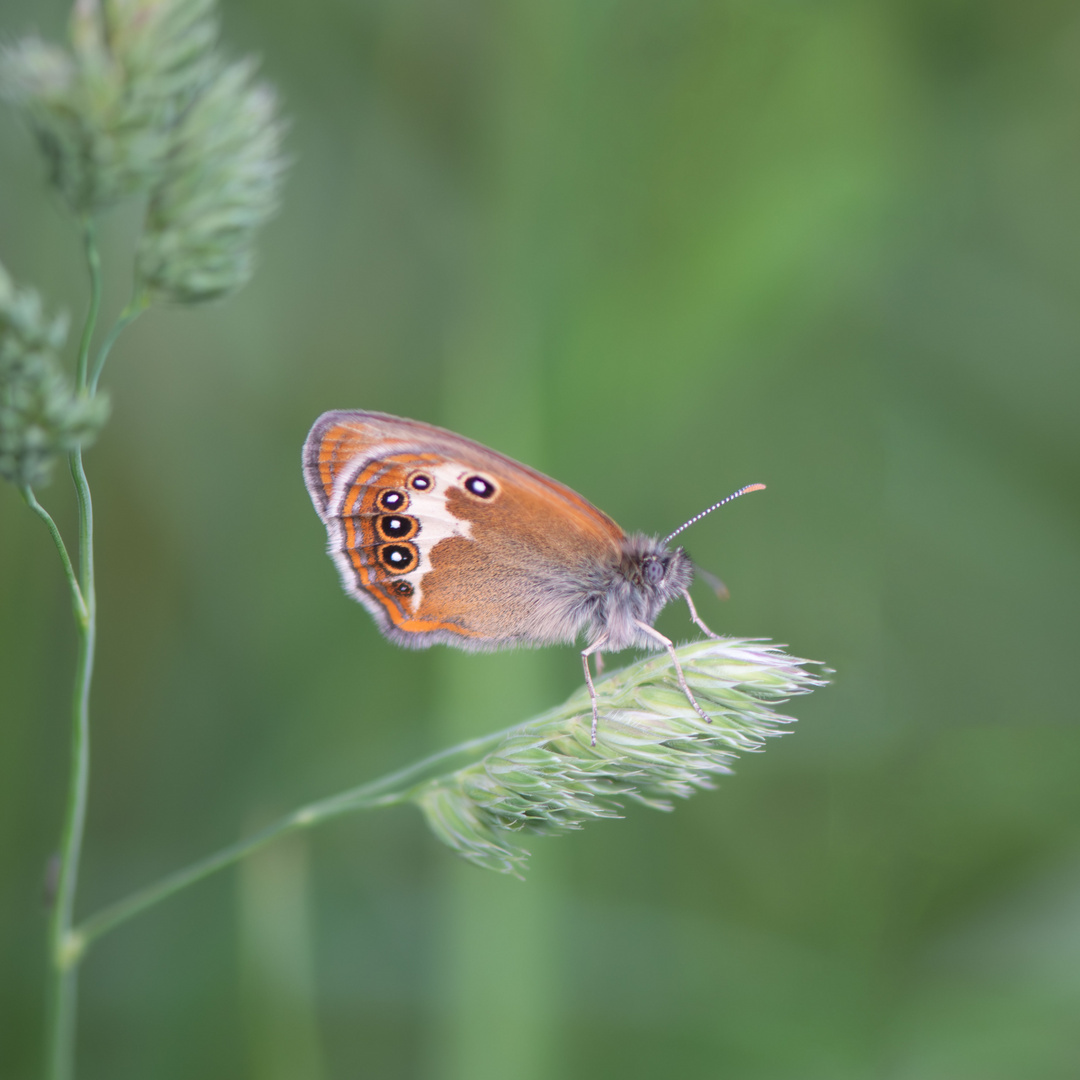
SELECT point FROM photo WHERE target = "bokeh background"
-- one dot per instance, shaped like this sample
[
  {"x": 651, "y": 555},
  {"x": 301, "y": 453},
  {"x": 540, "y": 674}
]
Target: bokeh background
[{"x": 659, "y": 249}]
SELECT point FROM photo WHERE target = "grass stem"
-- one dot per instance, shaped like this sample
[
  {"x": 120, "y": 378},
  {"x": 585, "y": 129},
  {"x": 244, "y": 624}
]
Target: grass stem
[
  {"x": 396, "y": 787},
  {"x": 63, "y": 958},
  {"x": 93, "y": 265},
  {"x": 134, "y": 308},
  {"x": 77, "y": 601}
]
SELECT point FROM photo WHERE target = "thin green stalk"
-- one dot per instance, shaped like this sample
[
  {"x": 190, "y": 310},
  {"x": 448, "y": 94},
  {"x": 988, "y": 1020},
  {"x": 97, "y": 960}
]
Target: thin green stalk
[
  {"x": 397, "y": 787},
  {"x": 93, "y": 264},
  {"x": 134, "y": 308},
  {"x": 77, "y": 601},
  {"x": 64, "y": 960}
]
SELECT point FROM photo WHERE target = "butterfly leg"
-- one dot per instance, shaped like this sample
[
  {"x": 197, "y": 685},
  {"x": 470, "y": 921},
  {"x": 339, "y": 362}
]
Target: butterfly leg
[
  {"x": 667, "y": 643},
  {"x": 694, "y": 617},
  {"x": 595, "y": 647}
]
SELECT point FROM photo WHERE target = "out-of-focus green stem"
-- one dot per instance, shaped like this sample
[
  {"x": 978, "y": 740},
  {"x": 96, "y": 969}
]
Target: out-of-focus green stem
[
  {"x": 63, "y": 958},
  {"x": 93, "y": 265},
  {"x": 394, "y": 788},
  {"x": 135, "y": 307},
  {"x": 77, "y": 601}
]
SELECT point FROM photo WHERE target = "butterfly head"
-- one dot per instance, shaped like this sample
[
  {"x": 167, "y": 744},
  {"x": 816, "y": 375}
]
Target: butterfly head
[
  {"x": 656, "y": 573},
  {"x": 654, "y": 570},
  {"x": 647, "y": 577}
]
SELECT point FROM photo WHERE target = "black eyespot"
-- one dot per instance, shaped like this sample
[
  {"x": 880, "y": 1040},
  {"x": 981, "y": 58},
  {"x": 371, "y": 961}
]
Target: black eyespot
[
  {"x": 478, "y": 486},
  {"x": 403, "y": 587},
  {"x": 398, "y": 558},
  {"x": 393, "y": 500},
  {"x": 395, "y": 527},
  {"x": 420, "y": 482}
]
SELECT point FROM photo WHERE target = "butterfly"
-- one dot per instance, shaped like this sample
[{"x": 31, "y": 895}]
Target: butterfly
[{"x": 446, "y": 541}]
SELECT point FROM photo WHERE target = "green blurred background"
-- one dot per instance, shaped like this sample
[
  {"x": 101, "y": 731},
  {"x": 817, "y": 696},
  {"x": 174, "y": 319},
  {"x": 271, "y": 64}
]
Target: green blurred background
[{"x": 659, "y": 249}]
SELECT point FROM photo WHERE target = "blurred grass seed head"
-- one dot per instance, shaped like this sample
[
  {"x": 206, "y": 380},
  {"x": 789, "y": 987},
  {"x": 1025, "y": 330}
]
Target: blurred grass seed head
[
  {"x": 103, "y": 111},
  {"x": 546, "y": 778},
  {"x": 220, "y": 187},
  {"x": 141, "y": 104},
  {"x": 41, "y": 415}
]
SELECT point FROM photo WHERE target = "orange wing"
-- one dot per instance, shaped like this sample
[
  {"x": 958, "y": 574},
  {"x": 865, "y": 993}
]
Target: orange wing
[{"x": 445, "y": 540}]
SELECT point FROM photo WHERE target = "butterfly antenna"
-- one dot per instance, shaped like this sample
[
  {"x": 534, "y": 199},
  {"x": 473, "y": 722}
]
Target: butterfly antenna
[{"x": 723, "y": 502}]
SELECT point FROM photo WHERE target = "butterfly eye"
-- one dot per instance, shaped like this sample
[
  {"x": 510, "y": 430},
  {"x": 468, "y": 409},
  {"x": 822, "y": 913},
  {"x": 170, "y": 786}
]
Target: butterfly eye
[
  {"x": 653, "y": 570},
  {"x": 478, "y": 486},
  {"x": 420, "y": 482},
  {"x": 393, "y": 500}
]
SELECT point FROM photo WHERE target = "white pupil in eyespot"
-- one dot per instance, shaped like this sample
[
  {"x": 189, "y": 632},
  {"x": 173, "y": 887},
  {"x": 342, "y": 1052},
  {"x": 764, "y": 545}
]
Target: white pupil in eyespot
[{"x": 479, "y": 486}]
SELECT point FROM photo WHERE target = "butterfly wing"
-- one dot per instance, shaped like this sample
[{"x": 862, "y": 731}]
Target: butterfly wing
[{"x": 444, "y": 540}]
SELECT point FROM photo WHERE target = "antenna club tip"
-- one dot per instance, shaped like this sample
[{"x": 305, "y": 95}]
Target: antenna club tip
[{"x": 723, "y": 502}]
